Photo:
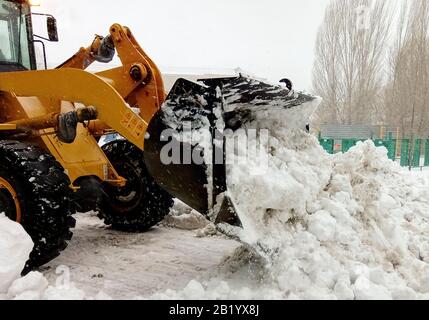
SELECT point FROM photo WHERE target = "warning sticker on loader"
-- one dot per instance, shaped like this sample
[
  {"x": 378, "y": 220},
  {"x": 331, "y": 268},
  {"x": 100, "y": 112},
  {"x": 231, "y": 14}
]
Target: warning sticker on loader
[{"x": 132, "y": 123}]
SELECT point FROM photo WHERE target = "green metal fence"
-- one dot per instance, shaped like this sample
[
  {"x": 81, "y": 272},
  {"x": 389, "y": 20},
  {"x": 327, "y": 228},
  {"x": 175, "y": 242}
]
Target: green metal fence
[
  {"x": 405, "y": 155},
  {"x": 328, "y": 145},
  {"x": 427, "y": 153},
  {"x": 417, "y": 153},
  {"x": 396, "y": 149},
  {"x": 347, "y": 144}
]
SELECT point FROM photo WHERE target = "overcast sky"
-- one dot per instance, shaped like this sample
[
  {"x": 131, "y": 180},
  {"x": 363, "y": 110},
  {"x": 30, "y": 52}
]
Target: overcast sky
[{"x": 270, "y": 38}]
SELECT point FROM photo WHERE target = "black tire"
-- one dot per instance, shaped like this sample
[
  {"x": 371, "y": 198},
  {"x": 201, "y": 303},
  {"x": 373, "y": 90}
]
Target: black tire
[
  {"x": 141, "y": 204},
  {"x": 44, "y": 197}
]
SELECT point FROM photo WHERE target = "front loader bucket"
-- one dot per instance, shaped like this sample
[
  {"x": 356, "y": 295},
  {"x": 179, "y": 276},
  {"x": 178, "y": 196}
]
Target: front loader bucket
[
  {"x": 184, "y": 145},
  {"x": 164, "y": 149}
]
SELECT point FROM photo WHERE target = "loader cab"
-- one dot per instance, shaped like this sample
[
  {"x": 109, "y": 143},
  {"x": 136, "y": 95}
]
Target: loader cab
[{"x": 16, "y": 36}]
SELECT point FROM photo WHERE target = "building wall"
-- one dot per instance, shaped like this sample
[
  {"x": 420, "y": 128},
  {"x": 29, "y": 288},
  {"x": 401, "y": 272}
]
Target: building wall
[{"x": 336, "y": 131}]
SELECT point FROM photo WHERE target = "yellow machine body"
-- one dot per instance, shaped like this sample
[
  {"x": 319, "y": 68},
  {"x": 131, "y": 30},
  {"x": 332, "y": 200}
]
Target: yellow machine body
[{"x": 125, "y": 99}]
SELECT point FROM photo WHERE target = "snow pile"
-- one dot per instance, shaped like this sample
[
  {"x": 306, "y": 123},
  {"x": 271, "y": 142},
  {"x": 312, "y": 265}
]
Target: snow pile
[
  {"x": 66, "y": 292},
  {"x": 349, "y": 226},
  {"x": 34, "y": 286},
  {"x": 30, "y": 287},
  {"x": 15, "y": 248}
]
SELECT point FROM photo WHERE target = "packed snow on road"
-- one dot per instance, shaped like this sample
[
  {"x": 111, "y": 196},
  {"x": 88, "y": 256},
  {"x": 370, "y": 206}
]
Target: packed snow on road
[{"x": 315, "y": 226}]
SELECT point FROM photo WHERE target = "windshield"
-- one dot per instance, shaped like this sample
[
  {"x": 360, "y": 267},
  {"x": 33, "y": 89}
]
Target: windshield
[{"x": 14, "y": 46}]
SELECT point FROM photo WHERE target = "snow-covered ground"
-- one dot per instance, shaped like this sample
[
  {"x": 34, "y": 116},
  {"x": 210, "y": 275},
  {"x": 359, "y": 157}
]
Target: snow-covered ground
[
  {"x": 101, "y": 263},
  {"x": 125, "y": 266}
]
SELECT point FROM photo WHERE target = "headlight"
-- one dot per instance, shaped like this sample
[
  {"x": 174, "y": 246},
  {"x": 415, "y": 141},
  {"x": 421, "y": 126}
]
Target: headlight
[{"x": 35, "y": 3}]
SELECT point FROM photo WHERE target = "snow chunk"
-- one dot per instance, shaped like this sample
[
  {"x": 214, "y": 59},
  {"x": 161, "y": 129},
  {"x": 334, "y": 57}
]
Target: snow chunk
[
  {"x": 69, "y": 292},
  {"x": 322, "y": 225},
  {"x": 364, "y": 289},
  {"x": 15, "y": 248},
  {"x": 187, "y": 221},
  {"x": 30, "y": 287}
]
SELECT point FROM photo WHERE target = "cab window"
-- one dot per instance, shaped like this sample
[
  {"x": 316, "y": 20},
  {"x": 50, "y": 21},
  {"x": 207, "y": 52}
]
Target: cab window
[{"x": 14, "y": 43}]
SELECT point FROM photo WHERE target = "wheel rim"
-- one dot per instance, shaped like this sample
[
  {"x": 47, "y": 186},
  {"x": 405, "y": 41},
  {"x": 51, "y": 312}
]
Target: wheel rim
[
  {"x": 126, "y": 198},
  {"x": 9, "y": 194}
]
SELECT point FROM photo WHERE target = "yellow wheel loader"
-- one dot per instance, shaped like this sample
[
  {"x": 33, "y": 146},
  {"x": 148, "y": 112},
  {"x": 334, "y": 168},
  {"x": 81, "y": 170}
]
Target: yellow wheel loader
[{"x": 51, "y": 122}]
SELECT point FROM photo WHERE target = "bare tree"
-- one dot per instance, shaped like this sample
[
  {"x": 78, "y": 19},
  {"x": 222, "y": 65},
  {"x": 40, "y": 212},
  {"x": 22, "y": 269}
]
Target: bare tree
[
  {"x": 407, "y": 94},
  {"x": 350, "y": 58}
]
